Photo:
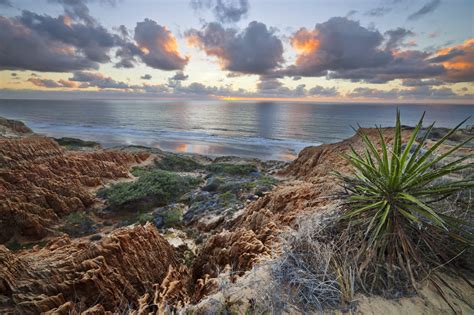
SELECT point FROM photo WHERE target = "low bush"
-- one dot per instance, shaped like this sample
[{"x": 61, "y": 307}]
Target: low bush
[
  {"x": 177, "y": 163},
  {"x": 72, "y": 143},
  {"x": 151, "y": 189},
  {"x": 232, "y": 169}
]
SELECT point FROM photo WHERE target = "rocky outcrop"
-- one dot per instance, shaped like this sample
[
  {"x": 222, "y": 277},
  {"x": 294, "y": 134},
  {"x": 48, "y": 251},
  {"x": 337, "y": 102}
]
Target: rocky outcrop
[
  {"x": 13, "y": 128},
  {"x": 253, "y": 236},
  {"x": 107, "y": 275},
  {"x": 39, "y": 182}
]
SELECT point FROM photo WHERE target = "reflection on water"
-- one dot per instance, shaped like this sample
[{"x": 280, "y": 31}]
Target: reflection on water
[{"x": 268, "y": 130}]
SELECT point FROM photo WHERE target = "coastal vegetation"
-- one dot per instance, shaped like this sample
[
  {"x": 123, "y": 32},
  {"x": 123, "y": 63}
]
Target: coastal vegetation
[
  {"x": 74, "y": 143},
  {"x": 405, "y": 216},
  {"x": 394, "y": 212},
  {"x": 231, "y": 169},
  {"x": 153, "y": 188}
]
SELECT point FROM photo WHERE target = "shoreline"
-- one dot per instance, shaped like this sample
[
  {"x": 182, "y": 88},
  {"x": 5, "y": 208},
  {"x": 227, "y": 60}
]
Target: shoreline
[{"x": 183, "y": 228}]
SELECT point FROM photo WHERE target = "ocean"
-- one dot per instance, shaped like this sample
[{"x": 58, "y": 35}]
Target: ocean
[{"x": 264, "y": 130}]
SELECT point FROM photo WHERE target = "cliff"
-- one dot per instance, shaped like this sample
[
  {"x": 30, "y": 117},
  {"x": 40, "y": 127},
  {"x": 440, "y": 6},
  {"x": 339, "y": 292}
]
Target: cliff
[
  {"x": 40, "y": 181},
  {"x": 210, "y": 247}
]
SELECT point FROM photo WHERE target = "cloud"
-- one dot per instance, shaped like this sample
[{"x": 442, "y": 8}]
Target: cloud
[
  {"x": 396, "y": 37},
  {"x": 255, "y": 50},
  {"x": 91, "y": 40},
  {"x": 95, "y": 79},
  {"x": 71, "y": 41},
  {"x": 158, "y": 46},
  {"x": 415, "y": 93},
  {"x": 351, "y": 13},
  {"x": 343, "y": 49},
  {"x": 154, "y": 44},
  {"x": 225, "y": 11},
  {"x": 5, "y": 3},
  {"x": 25, "y": 48},
  {"x": 338, "y": 44},
  {"x": 179, "y": 76},
  {"x": 418, "y": 82},
  {"x": 272, "y": 87},
  {"x": 458, "y": 62},
  {"x": 146, "y": 77},
  {"x": 47, "y": 83},
  {"x": 322, "y": 91},
  {"x": 378, "y": 12},
  {"x": 76, "y": 9},
  {"x": 424, "y": 10}
]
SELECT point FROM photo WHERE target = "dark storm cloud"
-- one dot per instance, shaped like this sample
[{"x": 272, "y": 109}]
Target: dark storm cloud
[
  {"x": 424, "y": 10},
  {"x": 255, "y": 50},
  {"x": 146, "y": 77},
  {"x": 225, "y": 11},
  {"x": 396, "y": 37},
  {"x": 179, "y": 76},
  {"x": 27, "y": 49},
  {"x": 154, "y": 44}
]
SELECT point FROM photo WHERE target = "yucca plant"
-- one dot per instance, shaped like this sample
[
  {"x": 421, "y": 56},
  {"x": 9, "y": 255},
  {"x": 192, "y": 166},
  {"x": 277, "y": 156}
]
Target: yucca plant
[{"x": 392, "y": 198}]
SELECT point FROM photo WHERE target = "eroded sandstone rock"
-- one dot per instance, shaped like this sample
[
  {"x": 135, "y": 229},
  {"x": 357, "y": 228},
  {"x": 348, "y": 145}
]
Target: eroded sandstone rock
[
  {"x": 39, "y": 182},
  {"x": 73, "y": 276}
]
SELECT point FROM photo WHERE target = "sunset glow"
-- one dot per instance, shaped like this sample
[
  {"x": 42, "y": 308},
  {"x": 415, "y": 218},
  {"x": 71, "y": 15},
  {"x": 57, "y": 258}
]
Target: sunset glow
[{"x": 375, "y": 53}]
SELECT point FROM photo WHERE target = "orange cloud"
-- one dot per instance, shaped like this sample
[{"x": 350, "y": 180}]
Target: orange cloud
[
  {"x": 68, "y": 84},
  {"x": 67, "y": 21},
  {"x": 458, "y": 61},
  {"x": 305, "y": 41}
]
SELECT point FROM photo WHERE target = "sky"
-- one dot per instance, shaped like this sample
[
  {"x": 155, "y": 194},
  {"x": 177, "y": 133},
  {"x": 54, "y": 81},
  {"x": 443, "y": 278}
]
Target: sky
[{"x": 326, "y": 51}]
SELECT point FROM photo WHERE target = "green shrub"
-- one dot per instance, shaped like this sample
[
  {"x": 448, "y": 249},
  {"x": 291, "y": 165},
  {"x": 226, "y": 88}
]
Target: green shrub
[
  {"x": 177, "y": 163},
  {"x": 393, "y": 219},
  {"x": 172, "y": 215},
  {"x": 72, "y": 143},
  {"x": 231, "y": 169},
  {"x": 143, "y": 218},
  {"x": 153, "y": 188}
]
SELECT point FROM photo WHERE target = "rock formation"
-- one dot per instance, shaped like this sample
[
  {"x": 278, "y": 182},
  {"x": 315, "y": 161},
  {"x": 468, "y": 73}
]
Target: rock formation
[
  {"x": 39, "y": 182},
  {"x": 73, "y": 276},
  {"x": 253, "y": 236},
  {"x": 134, "y": 269}
]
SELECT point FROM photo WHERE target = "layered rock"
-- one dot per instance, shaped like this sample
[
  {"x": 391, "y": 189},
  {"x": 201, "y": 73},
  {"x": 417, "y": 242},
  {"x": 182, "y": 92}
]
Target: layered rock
[
  {"x": 253, "y": 236},
  {"x": 74, "y": 276},
  {"x": 39, "y": 182}
]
